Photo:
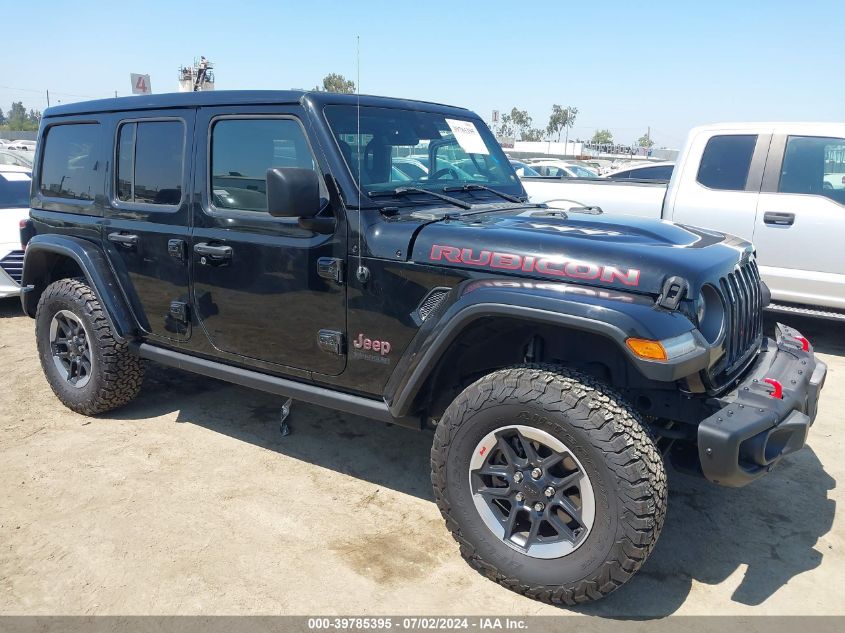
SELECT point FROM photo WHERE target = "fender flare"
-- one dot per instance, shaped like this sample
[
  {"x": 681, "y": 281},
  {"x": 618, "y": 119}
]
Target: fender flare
[
  {"x": 41, "y": 253},
  {"x": 615, "y": 316}
]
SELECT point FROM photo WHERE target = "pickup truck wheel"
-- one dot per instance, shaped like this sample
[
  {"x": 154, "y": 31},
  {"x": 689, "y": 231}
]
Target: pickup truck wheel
[
  {"x": 89, "y": 370},
  {"x": 549, "y": 483}
]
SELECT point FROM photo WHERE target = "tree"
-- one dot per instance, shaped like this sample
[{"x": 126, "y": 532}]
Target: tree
[
  {"x": 517, "y": 123},
  {"x": 602, "y": 137},
  {"x": 333, "y": 82},
  {"x": 561, "y": 119},
  {"x": 19, "y": 119},
  {"x": 645, "y": 141}
]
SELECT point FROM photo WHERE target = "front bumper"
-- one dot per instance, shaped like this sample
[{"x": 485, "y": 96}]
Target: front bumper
[{"x": 752, "y": 430}]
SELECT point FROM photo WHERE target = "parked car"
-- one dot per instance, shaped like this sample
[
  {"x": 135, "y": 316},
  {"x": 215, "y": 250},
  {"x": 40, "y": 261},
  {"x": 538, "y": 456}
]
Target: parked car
[
  {"x": 661, "y": 172},
  {"x": 773, "y": 183},
  {"x": 14, "y": 208},
  {"x": 8, "y": 157},
  {"x": 524, "y": 170},
  {"x": 561, "y": 169},
  {"x": 556, "y": 357}
]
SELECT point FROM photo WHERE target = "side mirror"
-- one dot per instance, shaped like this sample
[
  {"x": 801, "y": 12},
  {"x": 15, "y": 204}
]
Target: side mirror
[{"x": 293, "y": 192}]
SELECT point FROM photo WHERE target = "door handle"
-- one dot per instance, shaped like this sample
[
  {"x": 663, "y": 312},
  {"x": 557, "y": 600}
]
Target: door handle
[
  {"x": 123, "y": 238},
  {"x": 215, "y": 252},
  {"x": 779, "y": 219}
]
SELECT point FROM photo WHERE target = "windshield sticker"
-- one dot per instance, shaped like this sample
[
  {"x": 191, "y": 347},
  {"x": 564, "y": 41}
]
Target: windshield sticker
[{"x": 467, "y": 136}]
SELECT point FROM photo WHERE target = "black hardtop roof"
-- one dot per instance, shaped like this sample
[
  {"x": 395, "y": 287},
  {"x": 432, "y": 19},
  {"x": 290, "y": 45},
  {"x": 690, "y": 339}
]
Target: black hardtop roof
[{"x": 236, "y": 97}]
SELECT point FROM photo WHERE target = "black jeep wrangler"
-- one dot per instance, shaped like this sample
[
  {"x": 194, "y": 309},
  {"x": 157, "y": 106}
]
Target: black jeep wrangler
[{"x": 379, "y": 257}]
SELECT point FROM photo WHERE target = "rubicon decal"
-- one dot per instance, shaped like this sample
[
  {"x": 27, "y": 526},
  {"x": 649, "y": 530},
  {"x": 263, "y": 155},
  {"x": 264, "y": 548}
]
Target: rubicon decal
[{"x": 552, "y": 266}]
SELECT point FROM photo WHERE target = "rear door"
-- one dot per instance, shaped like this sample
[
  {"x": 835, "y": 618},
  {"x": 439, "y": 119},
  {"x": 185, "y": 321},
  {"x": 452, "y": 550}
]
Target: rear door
[
  {"x": 718, "y": 182},
  {"x": 263, "y": 286},
  {"x": 801, "y": 219},
  {"x": 146, "y": 220}
]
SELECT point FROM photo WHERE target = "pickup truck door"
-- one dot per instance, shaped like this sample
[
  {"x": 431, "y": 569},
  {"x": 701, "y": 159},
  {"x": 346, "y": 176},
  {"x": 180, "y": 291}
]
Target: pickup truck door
[
  {"x": 801, "y": 219},
  {"x": 264, "y": 288},
  {"x": 717, "y": 182}
]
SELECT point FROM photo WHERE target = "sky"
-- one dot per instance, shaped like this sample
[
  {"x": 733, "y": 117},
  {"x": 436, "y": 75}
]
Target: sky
[{"x": 626, "y": 66}]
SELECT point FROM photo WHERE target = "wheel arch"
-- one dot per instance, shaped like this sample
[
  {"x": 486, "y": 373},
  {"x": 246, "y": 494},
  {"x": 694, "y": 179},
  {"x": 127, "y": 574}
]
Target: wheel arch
[
  {"x": 486, "y": 329},
  {"x": 52, "y": 257}
]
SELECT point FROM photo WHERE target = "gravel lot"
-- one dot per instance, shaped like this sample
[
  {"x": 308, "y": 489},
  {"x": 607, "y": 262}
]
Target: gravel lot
[{"x": 189, "y": 501}]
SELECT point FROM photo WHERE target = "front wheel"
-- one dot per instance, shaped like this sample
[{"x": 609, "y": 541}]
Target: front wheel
[{"x": 549, "y": 483}]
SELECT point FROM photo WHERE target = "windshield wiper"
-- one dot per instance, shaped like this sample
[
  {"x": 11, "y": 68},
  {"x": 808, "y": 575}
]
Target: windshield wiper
[
  {"x": 477, "y": 187},
  {"x": 402, "y": 191}
]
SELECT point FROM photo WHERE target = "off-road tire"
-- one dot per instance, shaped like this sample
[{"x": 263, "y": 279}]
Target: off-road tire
[
  {"x": 609, "y": 439},
  {"x": 117, "y": 374}
]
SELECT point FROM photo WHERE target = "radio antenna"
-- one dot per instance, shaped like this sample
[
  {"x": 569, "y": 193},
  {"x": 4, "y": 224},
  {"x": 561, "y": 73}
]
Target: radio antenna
[{"x": 362, "y": 273}]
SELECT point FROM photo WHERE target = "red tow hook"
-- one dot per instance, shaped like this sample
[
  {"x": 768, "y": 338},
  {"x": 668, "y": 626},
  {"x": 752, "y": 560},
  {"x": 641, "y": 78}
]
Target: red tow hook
[
  {"x": 777, "y": 388},
  {"x": 805, "y": 344}
]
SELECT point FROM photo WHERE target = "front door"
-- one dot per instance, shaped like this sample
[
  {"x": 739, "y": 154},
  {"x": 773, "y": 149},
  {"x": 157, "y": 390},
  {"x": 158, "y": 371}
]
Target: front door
[
  {"x": 258, "y": 289},
  {"x": 145, "y": 232},
  {"x": 801, "y": 220},
  {"x": 719, "y": 192}
]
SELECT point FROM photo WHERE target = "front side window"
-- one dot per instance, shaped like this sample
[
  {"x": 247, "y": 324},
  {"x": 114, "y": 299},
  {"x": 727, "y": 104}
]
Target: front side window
[
  {"x": 726, "y": 161},
  {"x": 149, "y": 162},
  {"x": 448, "y": 151},
  {"x": 70, "y": 167},
  {"x": 242, "y": 150},
  {"x": 814, "y": 165}
]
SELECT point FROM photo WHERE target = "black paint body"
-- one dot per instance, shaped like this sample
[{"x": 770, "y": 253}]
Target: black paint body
[{"x": 583, "y": 283}]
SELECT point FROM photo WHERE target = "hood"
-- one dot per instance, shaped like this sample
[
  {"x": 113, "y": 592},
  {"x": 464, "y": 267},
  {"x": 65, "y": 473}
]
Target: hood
[{"x": 634, "y": 254}]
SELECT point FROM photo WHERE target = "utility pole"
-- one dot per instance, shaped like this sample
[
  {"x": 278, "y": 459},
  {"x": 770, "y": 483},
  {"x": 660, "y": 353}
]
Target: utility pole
[{"x": 48, "y": 98}]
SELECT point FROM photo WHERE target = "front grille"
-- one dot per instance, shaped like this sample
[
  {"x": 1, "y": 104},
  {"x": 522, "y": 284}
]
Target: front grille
[
  {"x": 13, "y": 265},
  {"x": 744, "y": 316}
]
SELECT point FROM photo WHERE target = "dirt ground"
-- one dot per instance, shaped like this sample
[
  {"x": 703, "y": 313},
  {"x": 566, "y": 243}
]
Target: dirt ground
[{"x": 189, "y": 501}]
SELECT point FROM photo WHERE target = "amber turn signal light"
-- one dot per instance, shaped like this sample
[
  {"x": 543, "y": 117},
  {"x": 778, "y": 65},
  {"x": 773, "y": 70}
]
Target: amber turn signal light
[{"x": 644, "y": 348}]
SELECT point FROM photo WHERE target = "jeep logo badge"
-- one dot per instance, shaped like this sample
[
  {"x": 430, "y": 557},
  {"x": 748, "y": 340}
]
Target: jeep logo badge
[{"x": 362, "y": 342}]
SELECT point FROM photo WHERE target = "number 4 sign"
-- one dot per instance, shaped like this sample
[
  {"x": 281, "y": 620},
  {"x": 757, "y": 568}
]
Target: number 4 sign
[{"x": 140, "y": 84}]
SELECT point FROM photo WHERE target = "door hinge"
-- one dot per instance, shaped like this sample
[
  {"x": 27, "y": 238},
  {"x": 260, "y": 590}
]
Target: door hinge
[
  {"x": 331, "y": 341},
  {"x": 179, "y": 311},
  {"x": 177, "y": 249},
  {"x": 330, "y": 268}
]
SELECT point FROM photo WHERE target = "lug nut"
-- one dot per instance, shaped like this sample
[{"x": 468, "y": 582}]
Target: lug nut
[
  {"x": 549, "y": 492},
  {"x": 539, "y": 507},
  {"x": 536, "y": 473},
  {"x": 517, "y": 477},
  {"x": 520, "y": 497}
]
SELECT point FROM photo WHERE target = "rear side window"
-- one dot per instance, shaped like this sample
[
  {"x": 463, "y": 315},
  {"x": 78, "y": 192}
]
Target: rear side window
[
  {"x": 726, "y": 161},
  {"x": 149, "y": 162},
  {"x": 242, "y": 150},
  {"x": 70, "y": 167},
  {"x": 814, "y": 165},
  {"x": 661, "y": 172}
]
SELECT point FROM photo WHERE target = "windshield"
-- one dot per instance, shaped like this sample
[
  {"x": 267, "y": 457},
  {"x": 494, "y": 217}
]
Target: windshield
[
  {"x": 414, "y": 148},
  {"x": 14, "y": 190}
]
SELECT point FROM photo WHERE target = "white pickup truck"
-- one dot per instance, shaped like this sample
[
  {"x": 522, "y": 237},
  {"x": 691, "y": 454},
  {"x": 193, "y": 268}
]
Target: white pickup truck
[{"x": 779, "y": 185}]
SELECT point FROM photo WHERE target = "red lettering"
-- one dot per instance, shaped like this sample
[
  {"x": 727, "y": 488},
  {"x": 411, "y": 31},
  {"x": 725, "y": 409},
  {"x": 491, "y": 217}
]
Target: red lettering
[
  {"x": 628, "y": 277},
  {"x": 483, "y": 258},
  {"x": 551, "y": 267},
  {"x": 450, "y": 253},
  {"x": 506, "y": 261},
  {"x": 582, "y": 270}
]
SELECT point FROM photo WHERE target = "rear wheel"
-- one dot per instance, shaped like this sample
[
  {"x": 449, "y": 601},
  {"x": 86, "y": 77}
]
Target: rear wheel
[
  {"x": 88, "y": 368},
  {"x": 549, "y": 483}
]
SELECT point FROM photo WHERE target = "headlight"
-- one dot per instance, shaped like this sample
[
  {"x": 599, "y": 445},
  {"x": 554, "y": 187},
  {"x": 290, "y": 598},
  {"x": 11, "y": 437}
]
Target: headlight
[{"x": 710, "y": 311}]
